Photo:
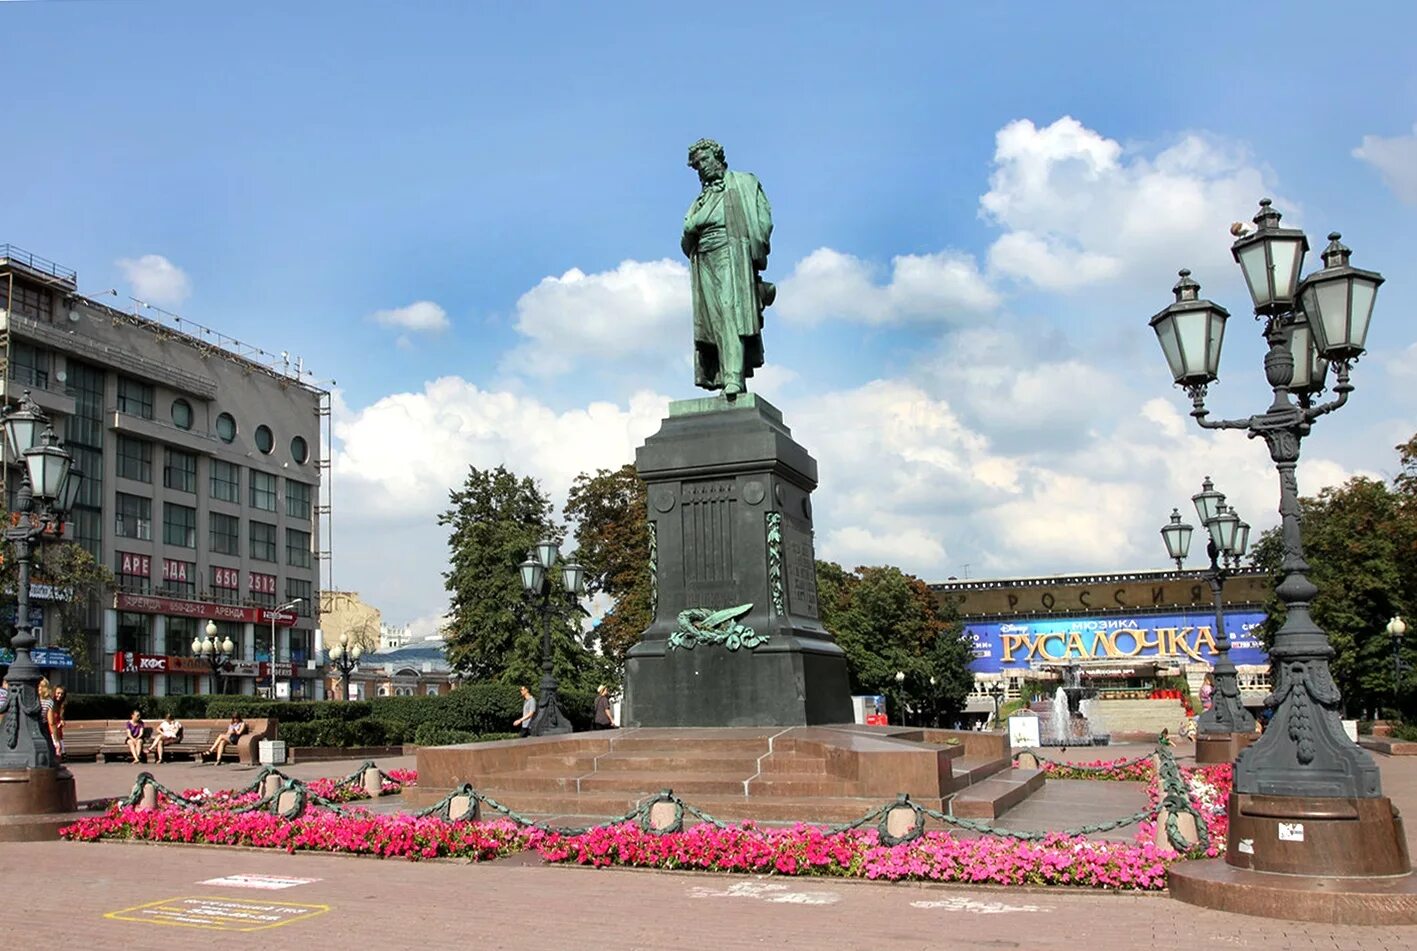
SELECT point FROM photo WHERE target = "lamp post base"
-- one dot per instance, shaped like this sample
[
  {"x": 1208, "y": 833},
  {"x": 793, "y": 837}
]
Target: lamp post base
[
  {"x": 1222, "y": 747},
  {"x": 1341, "y": 861},
  {"x": 34, "y": 803}
]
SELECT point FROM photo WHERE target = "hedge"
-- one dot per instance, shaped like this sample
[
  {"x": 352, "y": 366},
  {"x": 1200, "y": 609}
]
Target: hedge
[{"x": 475, "y": 709}]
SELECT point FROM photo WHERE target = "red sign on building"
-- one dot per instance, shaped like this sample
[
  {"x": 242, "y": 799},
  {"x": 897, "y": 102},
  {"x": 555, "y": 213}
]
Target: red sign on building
[
  {"x": 131, "y": 564},
  {"x": 178, "y": 607},
  {"x": 228, "y": 579},
  {"x": 128, "y": 662},
  {"x": 176, "y": 570},
  {"x": 263, "y": 584}
]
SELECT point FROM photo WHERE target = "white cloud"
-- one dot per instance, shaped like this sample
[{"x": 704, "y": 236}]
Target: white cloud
[
  {"x": 422, "y": 316},
  {"x": 156, "y": 280},
  {"x": 639, "y": 309},
  {"x": 939, "y": 287},
  {"x": 1079, "y": 209},
  {"x": 396, "y": 461},
  {"x": 1396, "y": 160}
]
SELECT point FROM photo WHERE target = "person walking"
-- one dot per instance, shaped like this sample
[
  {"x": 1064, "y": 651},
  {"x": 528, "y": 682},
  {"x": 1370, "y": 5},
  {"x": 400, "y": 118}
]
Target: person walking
[
  {"x": 528, "y": 712},
  {"x": 602, "y": 720}
]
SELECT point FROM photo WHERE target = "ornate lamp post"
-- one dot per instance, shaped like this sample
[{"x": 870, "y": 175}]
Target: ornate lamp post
[
  {"x": 1395, "y": 629},
  {"x": 49, "y": 485},
  {"x": 1227, "y": 725},
  {"x": 1307, "y": 801},
  {"x": 217, "y": 653},
  {"x": 536, "y": 580},
  {"x": 276, "y": 612},
  {"x": 345, "y": 658}
]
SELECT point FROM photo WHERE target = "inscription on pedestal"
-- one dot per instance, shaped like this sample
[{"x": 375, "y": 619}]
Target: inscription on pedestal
[
  {"x": 801, "y": 568},
  {"x": 707, "y": 509}
]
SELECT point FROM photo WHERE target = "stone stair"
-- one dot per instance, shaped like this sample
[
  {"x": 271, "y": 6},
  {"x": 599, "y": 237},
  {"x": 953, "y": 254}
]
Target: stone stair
[{"x": 815, "y": 774}]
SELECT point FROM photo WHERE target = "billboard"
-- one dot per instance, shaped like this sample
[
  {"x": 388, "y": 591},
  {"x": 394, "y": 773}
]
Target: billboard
[{"x": 1172, "y": 639}]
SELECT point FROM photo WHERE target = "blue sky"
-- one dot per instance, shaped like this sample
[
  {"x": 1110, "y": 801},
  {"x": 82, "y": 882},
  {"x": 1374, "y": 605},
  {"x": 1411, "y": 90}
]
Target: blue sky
[{"x": 468, "y": 217}]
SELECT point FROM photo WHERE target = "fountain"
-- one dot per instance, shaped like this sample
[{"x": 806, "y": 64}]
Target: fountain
[{"x": 1069, "y": 720}]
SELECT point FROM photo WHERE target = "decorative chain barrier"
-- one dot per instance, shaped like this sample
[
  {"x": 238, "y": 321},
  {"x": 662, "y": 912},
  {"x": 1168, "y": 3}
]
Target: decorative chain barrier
[{"x": 1175, "y": 800}]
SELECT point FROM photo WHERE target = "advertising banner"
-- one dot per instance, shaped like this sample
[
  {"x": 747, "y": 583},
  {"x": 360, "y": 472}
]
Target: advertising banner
[
  {"x": 1171, "y": 639},
  {"x": 47, "y": 658},
  {"x": 178, "y": 607}
]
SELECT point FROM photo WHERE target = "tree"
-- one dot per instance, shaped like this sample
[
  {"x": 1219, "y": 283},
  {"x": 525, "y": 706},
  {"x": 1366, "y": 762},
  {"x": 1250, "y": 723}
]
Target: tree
[
  {"x": 69, "y": 569},
  {"x": 1360, "y": 541},
  {"x": 493, "y": 632},
  {"x": 612, "y": 534},
  {"x": 888, "y": 622}
]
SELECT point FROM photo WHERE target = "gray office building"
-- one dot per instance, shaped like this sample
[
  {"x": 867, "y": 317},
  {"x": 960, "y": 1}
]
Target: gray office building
[{"x": 202, "y": 482}]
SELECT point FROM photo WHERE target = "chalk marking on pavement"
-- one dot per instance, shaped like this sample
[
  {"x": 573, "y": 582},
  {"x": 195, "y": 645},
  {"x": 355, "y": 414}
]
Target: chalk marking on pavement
[
  {"x": 218, "y": 913},
  {"x": 777, "y": 894},
  {"x": 976, "y": 907}
]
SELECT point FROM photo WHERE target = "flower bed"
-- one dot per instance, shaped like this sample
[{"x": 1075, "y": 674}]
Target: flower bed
[{"x": 941, "y": 856}]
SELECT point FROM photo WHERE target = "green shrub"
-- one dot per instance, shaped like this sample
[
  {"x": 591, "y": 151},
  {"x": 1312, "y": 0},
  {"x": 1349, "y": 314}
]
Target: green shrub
[
  {"x": 1404, "y": 731},
  {"x": 429, "y": 734}
]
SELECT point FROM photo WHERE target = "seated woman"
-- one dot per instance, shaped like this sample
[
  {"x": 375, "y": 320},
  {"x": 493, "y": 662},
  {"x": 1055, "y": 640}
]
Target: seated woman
[
  {"x": 134, "y": 740},
  {"x": 168, "y": 731},
  {"x": 234, "y": 729}
]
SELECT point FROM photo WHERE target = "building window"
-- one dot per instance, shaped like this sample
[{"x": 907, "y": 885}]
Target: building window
[
  {"x": 226, "y": 427},
  {"x": 88, "y": 530},
  {"x": 135, "y": 397},
  {"x": 180, "y": 472},
  {"x": 131, "y": 572},
  {"x": 29, "y": 366},
  {"x": 182, "y": 414},
  {"x": 226, "y": 481},
  {"x": 297, "y": 548},
  {"x": 225, "y": 534},
  {"x": 297, "y": 499},
  {"x": 226, "y": 582},
  {"x": 304, "y": 590},
  {"x": 135, "y": 459},
  {"x": 264, "y": 440},
  {"x": 85, "y": 427},
  {"x": 36, "y": 303},
  {"x": 300, "y": 450},
  {"x": 263, "y": 542},
  {"x": 179, "y": 525},
  {"x": 134, "y": 516},
  {"x": 263, "y": 491},
  {"x": 299, "y": 647},
  {"x": 90, "y": 463},
  {"x": 179, "y": 578}
]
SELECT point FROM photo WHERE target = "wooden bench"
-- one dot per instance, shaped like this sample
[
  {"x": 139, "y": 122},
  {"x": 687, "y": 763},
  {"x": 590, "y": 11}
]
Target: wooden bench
[{"x": 103, "y": 739}]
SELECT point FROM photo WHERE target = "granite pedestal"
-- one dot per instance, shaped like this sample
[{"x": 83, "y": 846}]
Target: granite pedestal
[{"x": 731, "y": 524}]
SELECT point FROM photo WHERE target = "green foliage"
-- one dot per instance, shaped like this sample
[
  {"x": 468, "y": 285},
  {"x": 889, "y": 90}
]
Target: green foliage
[
  {"x": 117, "y": 706},
  {"x": 887, "y": 622},
  {"x": 429, "y": 734},
  {"x": 65, "y": 566},
  {"x": 612, "y": 531},
  {"x": 225, "y": 706},
  {"x": 495, "y": 631},
  {"x": 1360, "y": 541}
]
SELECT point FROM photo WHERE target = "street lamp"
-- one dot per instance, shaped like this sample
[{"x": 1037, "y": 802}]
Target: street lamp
[
  {"x": 996, "y": 693},
  {"x": 536, "y": 581},
  {"x": 1304, "y": 761},
  {"x": 345, "y": 658},
  {"x": 275, "y": 614},
  {"x": 48, "y": 486},
  {"x": 1225, "y": 546},
  {"x": 217, "y": 653},
  {"x": 1395, "y": 629}
]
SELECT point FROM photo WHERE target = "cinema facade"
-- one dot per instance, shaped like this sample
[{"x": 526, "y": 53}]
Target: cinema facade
[{"x": 1124, "y": 632}]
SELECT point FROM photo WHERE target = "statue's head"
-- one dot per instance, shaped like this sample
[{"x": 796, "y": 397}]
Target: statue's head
[{"x": 706, "y": 157}]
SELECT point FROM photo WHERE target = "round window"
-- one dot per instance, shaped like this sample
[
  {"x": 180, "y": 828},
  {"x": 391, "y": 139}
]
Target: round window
[
  {"x": 299, "y": 450},
  {"x": 264, "y": 440},
  {"x": 226, "y": 427},
  {"x": 182, "y": 414}
]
